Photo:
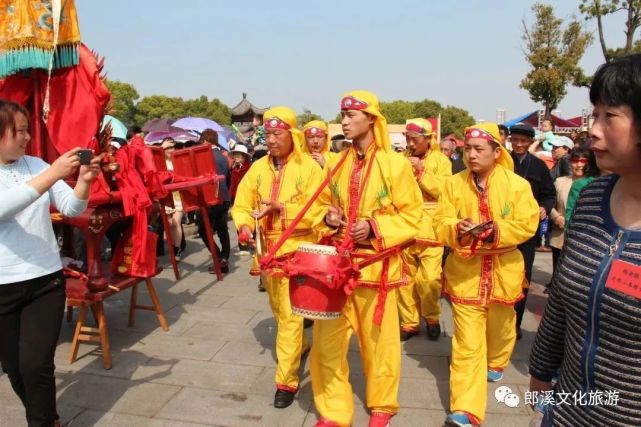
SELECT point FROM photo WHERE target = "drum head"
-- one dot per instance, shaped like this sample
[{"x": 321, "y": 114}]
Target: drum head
[{"x": 317, "y": 249}]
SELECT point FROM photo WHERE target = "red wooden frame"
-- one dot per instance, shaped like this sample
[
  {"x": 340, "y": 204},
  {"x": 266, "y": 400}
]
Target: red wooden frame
[{"x": 199, "y": 161}]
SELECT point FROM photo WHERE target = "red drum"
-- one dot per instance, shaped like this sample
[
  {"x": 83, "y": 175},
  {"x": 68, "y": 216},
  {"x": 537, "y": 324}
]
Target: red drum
[{"x": 317, "y": 275}]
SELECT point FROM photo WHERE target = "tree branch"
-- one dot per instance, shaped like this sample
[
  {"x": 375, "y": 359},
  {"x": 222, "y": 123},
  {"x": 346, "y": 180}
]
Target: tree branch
[
  {"x": 599, "y": 24},
  {"x": 629, "y": 29}
]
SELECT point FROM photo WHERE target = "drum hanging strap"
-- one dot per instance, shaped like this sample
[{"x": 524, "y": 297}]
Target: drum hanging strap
[{"x": 269, "y": 258}]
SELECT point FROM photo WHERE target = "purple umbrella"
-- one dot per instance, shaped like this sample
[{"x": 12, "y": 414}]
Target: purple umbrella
[
  {"x": 197, "y": 124},
  {"x": 180, "y": 135},
  {"x": 159, "y": 125},
  {"x": 229, "y": 133}
]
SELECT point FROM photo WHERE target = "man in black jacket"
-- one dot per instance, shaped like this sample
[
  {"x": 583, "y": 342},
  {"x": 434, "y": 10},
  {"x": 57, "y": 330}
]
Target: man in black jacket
[
  {"x": 448, "y": 147},
  {"x": 536, "y": 172}
]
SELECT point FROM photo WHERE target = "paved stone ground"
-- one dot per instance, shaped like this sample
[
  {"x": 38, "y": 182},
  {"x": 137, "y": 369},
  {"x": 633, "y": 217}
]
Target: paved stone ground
[{"x": 216, "y": 364}]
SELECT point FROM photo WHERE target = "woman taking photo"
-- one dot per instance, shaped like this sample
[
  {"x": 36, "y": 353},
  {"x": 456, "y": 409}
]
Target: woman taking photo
[
  {"x": 591, "y": 327},
  {"x": 32, "y": 287}
]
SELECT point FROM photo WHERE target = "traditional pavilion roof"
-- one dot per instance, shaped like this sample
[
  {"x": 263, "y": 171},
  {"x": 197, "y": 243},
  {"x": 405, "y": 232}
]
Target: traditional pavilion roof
[{"x": 245, "y": 107}]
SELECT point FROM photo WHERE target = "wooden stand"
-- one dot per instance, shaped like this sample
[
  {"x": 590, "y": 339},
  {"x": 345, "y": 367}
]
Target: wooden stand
[{"x": 78, "y": 296}]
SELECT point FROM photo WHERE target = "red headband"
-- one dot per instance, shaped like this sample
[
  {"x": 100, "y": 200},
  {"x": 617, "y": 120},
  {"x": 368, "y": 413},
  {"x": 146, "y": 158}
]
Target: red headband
[
  {"x": 478, "y": 133},
  {"x": 313, "y": 131},
  {"x": 276, "y": 123},
  {"x": 351, "y": 103},
  {"x": 413, "y": 127}
]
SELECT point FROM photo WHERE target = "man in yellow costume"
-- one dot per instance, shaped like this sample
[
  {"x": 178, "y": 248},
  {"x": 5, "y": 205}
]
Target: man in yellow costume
[
  {"x": 483, "y": 214},
  {"x": 274, "y": 190},
  {"x": 317, "y": 142},
  {"x": 373, "y": 201},
  {"x": 424, "y": 258}
]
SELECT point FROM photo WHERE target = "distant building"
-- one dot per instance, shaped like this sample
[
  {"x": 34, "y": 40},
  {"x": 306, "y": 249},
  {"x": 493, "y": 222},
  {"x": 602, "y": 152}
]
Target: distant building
[{"x": 243, "y": 114}]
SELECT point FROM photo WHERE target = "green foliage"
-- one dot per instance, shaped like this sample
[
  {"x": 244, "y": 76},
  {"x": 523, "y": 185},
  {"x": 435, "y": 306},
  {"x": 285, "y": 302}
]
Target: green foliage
[
  {"x": 212, "y": 109},
  {"x": 398, "y": 111},
  {"x": 159, "y": 106},
  {"x": 124, "y": 106},
  {"x": 597, "y": 9},
  {"x": 123, "y": 101},
  {"x": 453, "y": 119},
  {"x": 554, "y": 54},
  {"x": 307, "y": 116}
]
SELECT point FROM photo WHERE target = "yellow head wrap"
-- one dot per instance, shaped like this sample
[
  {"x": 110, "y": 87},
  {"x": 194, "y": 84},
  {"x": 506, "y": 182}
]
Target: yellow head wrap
[
  {"x": 368, "y": 102},
  {"x": 318, "y": 124},
  {"x": 285, "y": 118},
  {"x": 492, "y": 129},
  {"x": 424, "y": 128}
]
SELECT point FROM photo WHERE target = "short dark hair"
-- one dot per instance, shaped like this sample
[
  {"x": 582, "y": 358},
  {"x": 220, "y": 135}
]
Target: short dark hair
[
  {"x": 551, "y": 123},
  {"x": 8, "y": 111},
  {"x": 592, "y": 169},
  {"x": 618, "y": 83},
  {"x": 504, "y": 129},
  {"x": 133, "y": 131},
  {"x": 210, "y": 136},
  {"x": 580, "y": 152}
]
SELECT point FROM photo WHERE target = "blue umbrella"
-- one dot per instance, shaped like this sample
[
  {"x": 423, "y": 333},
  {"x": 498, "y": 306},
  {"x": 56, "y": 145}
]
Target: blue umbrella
[
  {"x": 118, "y": 129},
  {"x": 197, "y": 124},
  {"x": 222, "y": 141}
]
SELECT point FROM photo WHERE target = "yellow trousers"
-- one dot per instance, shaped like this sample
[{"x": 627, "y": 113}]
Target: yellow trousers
[
  {"x": 380, "y": 355},
  {"x": 291, "y": 341},
  {"x": 484, "y": 337},
  {"x": 421, "y": 297}
]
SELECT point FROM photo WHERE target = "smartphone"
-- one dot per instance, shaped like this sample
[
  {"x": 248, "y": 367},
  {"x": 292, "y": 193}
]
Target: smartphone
[
  {"x": 85, "y": 156},
  {"x": 478, "y": 229}
]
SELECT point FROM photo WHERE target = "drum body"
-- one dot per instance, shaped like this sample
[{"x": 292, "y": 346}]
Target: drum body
[{"x": 313, "y": 291}]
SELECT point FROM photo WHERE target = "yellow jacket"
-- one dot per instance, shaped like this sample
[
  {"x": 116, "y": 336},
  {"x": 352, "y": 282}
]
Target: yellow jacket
[
  {"x": 436, "y": 169},
  {"x": 391, "y": 203},
  {"x": 292, "y": 186},
  {"x": 495, "y": 271}
]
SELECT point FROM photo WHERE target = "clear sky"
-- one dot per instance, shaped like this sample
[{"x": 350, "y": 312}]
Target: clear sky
[{"x": 306, "y": 54}]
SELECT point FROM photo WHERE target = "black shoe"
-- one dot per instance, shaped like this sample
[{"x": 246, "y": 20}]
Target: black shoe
[
  {"x": 434, "y": 331},
  {"x": 283, "y": 398},
  {"x": 307, "y": 323},
  {"x": 406, "y": 335},
  {"x": 519, "y": 334},
  {"x": 224, "y": 267},
  {"x": 261, "y": 288}
]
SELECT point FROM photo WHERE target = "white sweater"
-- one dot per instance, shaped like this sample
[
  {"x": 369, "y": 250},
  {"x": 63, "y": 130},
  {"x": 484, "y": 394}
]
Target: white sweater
[{"x": 28, "y": 246}]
